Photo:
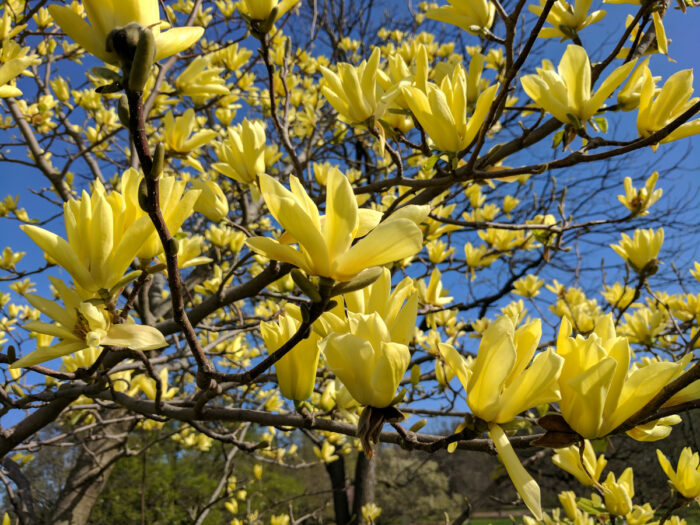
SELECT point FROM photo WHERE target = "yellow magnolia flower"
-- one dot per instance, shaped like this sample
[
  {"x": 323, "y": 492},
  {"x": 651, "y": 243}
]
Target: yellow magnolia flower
[
  {"x": 106, "y": 15},
  {"x": 177, "y": 131},
  {"x": 80, "y": 325},
  {"x": 618, "y": 295},
  {"x": 642, "y": 250},
  {"x": 200, "y": 81},
  {"x": 630, "y": 93},
  {"x": 147, "y": 385},
  {"x": 370, "y": 512},
  {"x": 212, "y": 202},
  {"x": 599, "y": 390},
  {"x": 354, "y": 91},
  {"x": 296, "y": 371},
  {"x": 325, "y": 242},
  {"x": 686, "y": 477},
  {"x": 640, "y": 515},
  {"x": 660, "y": 44},
  {"x": 480, "y": 257},
  {"x": 473, "y": 16},
  {"x": 618, "y": 493},
  {"x": 261, "y": 9},
  {"x": 658, "y": 109},
  {"x": 567, "y": 20},
  {"x": 528, "y": 286},
  {"x": 655, "y": 430},
  {"x": 695, "y": 272},
  {"x": 398, "y": 308},
  {"x": 176, "y": 205},
  {"x": 567, "y": 499},
  {"x": 242, "y": 155},
  {"x": 500, "y": 385},
  {"x": 433, "y": 293},
  {"x": 638, "y": 201},
  {"x": 11, "y": 70},
  {"x": 442, "y": 111},
  {"x": 326, "y": 453},
  {"x": 566, "y": 93},
  {"x": 368, "y": 363},
  {"x": 100, "y": 247},
  {"x": 569, "y": 459}
]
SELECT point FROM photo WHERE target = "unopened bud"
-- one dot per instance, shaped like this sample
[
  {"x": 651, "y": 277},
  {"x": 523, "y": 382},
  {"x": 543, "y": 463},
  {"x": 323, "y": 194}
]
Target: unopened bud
[
  {"x": 267, "y": 24},
  {"x": 123, "y": 41},
  {"x": 158, "y": 162},
  {"x": 143, "y": 196},
  {"x": 123, "y": 111},
  {"x": 305, "y": 285},
  {"x": 418, "y": 425},
  {"x": 361, "y": 280},
  {"x": 172, "y": 247},
  {"x": 144, "y": 56}
]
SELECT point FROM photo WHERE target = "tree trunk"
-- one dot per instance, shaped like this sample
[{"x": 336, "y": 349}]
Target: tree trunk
[
  {"x": 89, "y": 475},
  {"x": 336, "y": 472},
  {"x": 365, "y": 480}
]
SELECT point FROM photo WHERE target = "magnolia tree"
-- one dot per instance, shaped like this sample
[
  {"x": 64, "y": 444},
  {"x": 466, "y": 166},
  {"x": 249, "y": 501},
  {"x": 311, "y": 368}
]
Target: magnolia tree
[{"x": 251, "y": 212}]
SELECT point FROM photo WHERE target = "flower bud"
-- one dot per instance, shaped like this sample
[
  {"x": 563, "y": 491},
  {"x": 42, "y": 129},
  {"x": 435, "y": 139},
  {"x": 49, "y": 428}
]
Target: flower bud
[
  {"x": 158, "y": 161},
  {"x": 144, "y": 57}
]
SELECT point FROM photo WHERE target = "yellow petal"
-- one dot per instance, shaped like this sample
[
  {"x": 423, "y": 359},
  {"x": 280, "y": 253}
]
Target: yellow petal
[
  {"x": 483, "y": 105},
  {"x": 47, "y": 353},
  {"x": 575, "y": 69},
  {"x": 75, "y": 27},
  {"x": 535, "y": 386},
  {"x": 455, "y": 362},
  {"x": 493, "y": 365},
  {"x": 527, "y": 487},
  {"x": 583, "y": 406},
  {"x": 388, "y": 242},
  {"x": 61, "y": 252},
  {"x": 276, "y": 251},
  {"x": 390, "y": 367},
  {"x": 51, "y": 309},
  {"x": 351, "y": 359},
  {"x": 341, "y": 214},
  {"x": 134, "y": 336},
  {"x": 175, "y": 40}
]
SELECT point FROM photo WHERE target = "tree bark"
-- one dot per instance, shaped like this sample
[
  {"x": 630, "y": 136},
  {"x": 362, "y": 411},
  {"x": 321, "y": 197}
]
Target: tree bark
[
  {"x": 89, "y": 475},
  {"x": 336, "y": 473},
  {"x": 365, "y": 479}
]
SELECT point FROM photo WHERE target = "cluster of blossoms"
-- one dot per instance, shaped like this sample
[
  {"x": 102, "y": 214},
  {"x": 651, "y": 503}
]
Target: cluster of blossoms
[{"x": 364, "y": 332}]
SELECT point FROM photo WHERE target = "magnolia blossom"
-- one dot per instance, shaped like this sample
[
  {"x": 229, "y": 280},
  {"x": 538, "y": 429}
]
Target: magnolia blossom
[
  {"x": 354, "y": 92},
  {"x": 587, "y": 472},
  {"x": 261, "y": 9},
  {"x": 566, "y": 93},
  {"x": 296, "y": 370},
  {"x": 599, "y": 390},
  {"x": 642, "y": 249},
  {"x": 686, "y": 477},
  {"x": 106, "y": 15},
  {"x": 325, "y": 243},
  {"x": 366, "y": 360},
  {"x": 442, "y": 111},
  {"x": 80, "y": 325},
  {"x": 473, "y": 16},
  {"x": 500, "y": 385}
]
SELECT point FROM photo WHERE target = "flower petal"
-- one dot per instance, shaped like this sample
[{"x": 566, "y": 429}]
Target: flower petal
[
  {"x": 388, "y": 242},
  {"x": 134, "y": 336},
  {"x": 527, "y": 487}
]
